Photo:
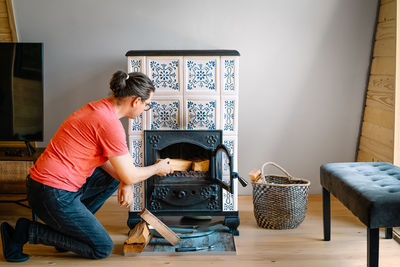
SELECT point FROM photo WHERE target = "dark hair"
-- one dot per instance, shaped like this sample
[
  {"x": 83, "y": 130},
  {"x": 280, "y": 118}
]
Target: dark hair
[{"x": 138, "y": 85}]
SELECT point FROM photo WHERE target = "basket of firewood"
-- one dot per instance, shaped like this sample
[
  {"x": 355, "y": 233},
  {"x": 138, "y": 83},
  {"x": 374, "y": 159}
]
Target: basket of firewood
[{"x": 280, "y": 201}]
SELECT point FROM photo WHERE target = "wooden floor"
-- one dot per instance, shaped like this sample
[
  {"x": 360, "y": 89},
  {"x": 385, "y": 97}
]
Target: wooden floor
[{"x": 255, "y": 246}]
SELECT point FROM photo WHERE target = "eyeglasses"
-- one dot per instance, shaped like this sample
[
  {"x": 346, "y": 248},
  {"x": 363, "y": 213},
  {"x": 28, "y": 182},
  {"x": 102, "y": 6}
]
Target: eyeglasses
[{"x": 147, "y": 107}]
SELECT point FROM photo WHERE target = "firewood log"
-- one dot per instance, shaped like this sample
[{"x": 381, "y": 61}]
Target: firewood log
[
  {"x": 180, "y": 164},
  {"x": 255, "y": 175},
  {"x": 160, "y": 227},
  {"x": 201, "y": 165},
  {"x": 139, "y": 234}
]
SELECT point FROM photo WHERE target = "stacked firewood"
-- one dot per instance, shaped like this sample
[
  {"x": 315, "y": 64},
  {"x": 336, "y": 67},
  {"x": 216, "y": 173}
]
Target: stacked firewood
[{"x": 186, "y": 165}]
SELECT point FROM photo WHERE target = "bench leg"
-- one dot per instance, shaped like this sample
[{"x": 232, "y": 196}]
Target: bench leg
[
  {"x": 373, "y": 247},
  {"x": 389, "y": 233},
  {"x": 326, "y": 207}
]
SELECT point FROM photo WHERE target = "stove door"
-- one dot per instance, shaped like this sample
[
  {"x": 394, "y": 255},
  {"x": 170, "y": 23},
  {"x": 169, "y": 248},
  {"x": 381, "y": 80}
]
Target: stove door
[{"x": 223, "y": 171}]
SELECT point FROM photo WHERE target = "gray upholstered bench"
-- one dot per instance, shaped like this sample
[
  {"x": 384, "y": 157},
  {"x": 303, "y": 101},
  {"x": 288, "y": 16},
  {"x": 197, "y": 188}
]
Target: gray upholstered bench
[{"x": 371, "y": 191}]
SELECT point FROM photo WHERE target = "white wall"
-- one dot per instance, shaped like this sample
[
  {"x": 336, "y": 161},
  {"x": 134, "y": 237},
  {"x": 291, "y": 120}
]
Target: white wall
[{"x": 303, "y": 65}]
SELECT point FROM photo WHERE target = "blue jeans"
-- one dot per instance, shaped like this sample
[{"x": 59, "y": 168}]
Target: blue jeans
[{"x": 68, "y": 216}]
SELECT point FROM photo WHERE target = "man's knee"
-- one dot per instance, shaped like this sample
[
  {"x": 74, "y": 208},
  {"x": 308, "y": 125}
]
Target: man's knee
[{"x": 104, "y": 250}]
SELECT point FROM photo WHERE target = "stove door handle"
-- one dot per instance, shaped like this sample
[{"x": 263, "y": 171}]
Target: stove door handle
[{"x": 242, "y": 181}]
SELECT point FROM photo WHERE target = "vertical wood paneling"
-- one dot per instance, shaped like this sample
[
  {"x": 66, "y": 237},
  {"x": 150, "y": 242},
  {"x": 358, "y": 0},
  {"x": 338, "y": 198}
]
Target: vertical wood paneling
[
  {"x": 385, "y": 47},
  {"x": 377, "y": 140},
  {"x": 11, "y": 21},
  {"x": 379, "y": 117},
  {"x": 383, "y": 65},
  {"x": 386, "y": 30},
  {"x": 376, "y": 149},
  {"x": 3, "y": 9},
  {"x": 5, "y": 32},
  {"x": 396, "y": 156},
  {"x": 387, "y": 11},
  {"x": 7, "y": 24}
]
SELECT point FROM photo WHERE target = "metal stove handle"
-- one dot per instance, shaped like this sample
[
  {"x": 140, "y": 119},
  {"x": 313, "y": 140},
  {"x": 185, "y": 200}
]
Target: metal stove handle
[{"x": 243, "y": 182}]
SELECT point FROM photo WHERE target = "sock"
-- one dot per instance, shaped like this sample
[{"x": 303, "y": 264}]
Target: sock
[{"x": 22, "y": 231}]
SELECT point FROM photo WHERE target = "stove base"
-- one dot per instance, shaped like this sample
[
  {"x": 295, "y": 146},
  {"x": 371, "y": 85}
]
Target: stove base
[{"x": 231, "y": 220}]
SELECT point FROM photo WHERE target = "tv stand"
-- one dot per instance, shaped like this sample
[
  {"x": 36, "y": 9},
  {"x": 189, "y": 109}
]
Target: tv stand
[
  {"x": 20, "y": 153},
  {"x": 30, "y": 148},
  {"x": 14, "y": 167},
  {"x": 15, "y": 153}
]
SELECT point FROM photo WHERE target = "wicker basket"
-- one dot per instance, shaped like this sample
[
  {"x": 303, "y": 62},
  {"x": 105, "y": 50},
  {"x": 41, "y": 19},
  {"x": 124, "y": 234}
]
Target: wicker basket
[{"x": 280, "y": 202}]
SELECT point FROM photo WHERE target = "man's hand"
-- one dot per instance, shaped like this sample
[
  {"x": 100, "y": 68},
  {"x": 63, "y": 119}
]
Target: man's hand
[
  {"x": 164, "y": 168},
  {"x": 125, "y": 195}
]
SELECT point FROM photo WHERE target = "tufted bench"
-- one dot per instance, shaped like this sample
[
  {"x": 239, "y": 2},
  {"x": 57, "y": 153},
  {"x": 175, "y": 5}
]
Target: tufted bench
[{"x": 371, "y": 191}]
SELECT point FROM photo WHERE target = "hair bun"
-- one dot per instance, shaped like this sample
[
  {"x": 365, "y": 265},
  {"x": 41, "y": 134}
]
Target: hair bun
[
  {"x": 118, "y": 81},
  {"x": 134, "y": 84}
]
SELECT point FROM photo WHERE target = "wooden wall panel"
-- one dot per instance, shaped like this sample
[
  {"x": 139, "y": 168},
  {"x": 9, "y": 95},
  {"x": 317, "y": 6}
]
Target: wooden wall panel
[
  {"x": 4, "y": 25},
  {"x": 382, "y": 100},
  {"x": 381, "y": 83},
  {"x": 396, "y": 156},
  {"x": 378, "y": 150},
  {"x": 387, "y": 11},
  {"x": 379, "y": 117},
  {"x": 386, "y": 30},
  {"x": 364, "y": 156},
  {"x": 3, "y": 9},
  {"x": 385, "y": 47},
  {"x": 383, "y": 66},
  {"x": 7, "y": 23},
  {"x": 377, "y": 132}
]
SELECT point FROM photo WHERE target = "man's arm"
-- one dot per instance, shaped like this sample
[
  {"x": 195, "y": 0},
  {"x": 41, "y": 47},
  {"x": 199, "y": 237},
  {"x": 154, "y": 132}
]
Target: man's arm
[
  {"x": 122, "y": 166},
  {"x": 125, "y": 194},
  {"x": 110, "y": 170},
  {"x": 122, "y": 169}
]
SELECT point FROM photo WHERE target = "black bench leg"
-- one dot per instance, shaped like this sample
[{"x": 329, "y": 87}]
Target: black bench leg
[
  {"x": 373, "y": 247},
  {"x": 389, "y": 233},
  {"x": 326, "y": 207}
]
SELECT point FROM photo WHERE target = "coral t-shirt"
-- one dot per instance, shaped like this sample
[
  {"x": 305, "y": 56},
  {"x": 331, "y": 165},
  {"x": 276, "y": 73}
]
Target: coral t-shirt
[{"x": 83, "y": 142}]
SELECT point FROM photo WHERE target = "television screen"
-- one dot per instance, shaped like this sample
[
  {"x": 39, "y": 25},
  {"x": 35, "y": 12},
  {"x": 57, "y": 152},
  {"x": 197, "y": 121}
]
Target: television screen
[{"x": 21, "y": 91}]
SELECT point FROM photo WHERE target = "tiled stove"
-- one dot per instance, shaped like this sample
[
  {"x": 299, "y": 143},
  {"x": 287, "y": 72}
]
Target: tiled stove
[{"x": 196, "y": 97}]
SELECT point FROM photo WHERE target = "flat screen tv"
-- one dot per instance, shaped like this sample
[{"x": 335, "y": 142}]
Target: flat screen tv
[{"x": 21, "y": 92}]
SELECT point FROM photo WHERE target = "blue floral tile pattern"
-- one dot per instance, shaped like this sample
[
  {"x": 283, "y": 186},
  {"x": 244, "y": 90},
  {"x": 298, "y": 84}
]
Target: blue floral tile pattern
[
  {"x": 228, "y": 198},
  {"x": 137, "y": 152},
  {"x": 164, "y": 74},
  {"x": 201, "y": 115},
  {"x": 138, "y": 197},
  {"x": 165, "y": 115},
  {"x": 229, "y": 75},
  {"x": 136, "y": 124},
  {"x": 136, "y": 149},
  {"x": 228, "y": 201},
  {"x": 229, "y": 115},
  {"x": 201, "y": 75},
  {"x": 135, "y": 65}
]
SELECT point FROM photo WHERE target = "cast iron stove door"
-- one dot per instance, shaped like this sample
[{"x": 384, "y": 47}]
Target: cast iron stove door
[{"x": 223, "y": 169}]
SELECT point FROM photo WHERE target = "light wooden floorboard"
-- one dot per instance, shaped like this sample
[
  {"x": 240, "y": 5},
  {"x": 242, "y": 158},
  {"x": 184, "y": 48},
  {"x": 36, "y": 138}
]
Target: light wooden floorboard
[{"x": 255, "y": 246}]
